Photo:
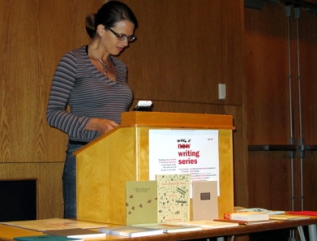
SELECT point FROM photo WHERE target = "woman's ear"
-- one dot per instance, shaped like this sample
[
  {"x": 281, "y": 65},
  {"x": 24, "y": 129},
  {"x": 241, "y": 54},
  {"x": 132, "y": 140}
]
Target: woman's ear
[{"x": 100, "y": 29}]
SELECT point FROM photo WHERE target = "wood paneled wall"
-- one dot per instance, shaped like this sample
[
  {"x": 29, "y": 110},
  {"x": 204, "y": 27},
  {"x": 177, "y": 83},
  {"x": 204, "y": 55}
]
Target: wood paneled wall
[
  {"x": 308, "y": 79},
  {"x": 33, "y": 36},
  {"x": 184, "y": 49},
  {"x": 275, "y": 111}
]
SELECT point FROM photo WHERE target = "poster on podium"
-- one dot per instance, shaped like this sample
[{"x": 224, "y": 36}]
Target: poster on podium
[{"x": 193, "y": 152}]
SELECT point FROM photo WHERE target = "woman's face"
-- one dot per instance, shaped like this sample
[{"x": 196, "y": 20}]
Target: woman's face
[{"x": 116, "y": 39}]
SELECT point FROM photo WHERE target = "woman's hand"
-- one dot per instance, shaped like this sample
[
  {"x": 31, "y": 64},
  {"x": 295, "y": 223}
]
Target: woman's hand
[{"x": 100, "y": 125}]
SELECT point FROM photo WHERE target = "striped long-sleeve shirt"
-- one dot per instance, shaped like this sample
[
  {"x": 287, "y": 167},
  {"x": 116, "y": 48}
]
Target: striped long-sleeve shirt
[{"x": 89, "y": 93}]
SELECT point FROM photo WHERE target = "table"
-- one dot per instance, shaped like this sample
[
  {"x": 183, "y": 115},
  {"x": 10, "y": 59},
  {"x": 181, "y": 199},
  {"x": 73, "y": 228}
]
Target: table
[{"x": 8, "y": 232}]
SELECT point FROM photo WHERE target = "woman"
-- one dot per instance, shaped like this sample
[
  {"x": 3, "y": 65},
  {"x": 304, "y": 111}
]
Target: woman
[{"x": 93, "y": 83}]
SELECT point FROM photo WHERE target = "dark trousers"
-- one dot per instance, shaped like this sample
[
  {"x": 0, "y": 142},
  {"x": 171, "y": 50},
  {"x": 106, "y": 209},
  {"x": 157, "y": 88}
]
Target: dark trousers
[{"x": 69, "y": 181}]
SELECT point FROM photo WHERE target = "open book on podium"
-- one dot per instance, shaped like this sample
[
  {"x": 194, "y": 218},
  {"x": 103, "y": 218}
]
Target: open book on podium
[{"x": 107, "y": 163}]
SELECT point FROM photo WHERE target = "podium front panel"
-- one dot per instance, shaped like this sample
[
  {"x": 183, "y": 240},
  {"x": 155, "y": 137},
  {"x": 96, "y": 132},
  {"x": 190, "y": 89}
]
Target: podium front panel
[{"x": 104, "y": 166}]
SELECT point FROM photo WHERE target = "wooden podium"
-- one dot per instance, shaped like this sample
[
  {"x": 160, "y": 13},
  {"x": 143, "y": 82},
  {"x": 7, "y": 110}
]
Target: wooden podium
[{"x": 105, "y": 164}]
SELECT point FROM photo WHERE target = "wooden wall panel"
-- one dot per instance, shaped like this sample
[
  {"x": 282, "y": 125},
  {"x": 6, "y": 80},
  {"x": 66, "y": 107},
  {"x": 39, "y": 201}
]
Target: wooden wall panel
[
  {"x": 233, "y": 51},
  {"x": 240, "y": 155},
  {"x": 50, "y": 196},
  {"x": 17, "y": 171},
  {"x": 266, "y": 69},
  {"x": 234, "y": 78},
  {"x": 181, "y": 53},
  {"x": 308, "y": 74},
  {"x": 34, "y": 36},
  {"x": 307, "y": 25},
  {"x": 268, "y": 104},
  {"x": 49, "y": 184},
  {"x": 309, "y": 182},
  {"x": 180, "y": 48},
  {"x": 269, "y": 177}
]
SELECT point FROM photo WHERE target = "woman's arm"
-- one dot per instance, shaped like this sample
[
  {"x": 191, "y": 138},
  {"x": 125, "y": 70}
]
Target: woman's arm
[{"x": 62, "y": 85}]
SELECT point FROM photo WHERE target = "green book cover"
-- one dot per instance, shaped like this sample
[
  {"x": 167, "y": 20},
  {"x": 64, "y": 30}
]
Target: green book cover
[
  {"x": 173, "y": 197},
  {"x": 45, "y": 238},
  {"x": 141, "y": 202}
]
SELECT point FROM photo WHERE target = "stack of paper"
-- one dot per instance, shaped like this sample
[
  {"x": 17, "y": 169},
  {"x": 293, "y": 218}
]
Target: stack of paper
[
  {"x": 209, "y": 224},
  {"x": 171, "y": 227},
  {"x": 131, "y": 231},
  {"x": 76, "y": 233},
  {"x": 247, "y": 216}
]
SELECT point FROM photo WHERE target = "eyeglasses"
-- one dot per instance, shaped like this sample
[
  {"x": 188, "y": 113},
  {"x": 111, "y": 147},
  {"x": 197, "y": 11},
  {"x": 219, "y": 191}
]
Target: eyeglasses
[{"x": 123, "y": 37}]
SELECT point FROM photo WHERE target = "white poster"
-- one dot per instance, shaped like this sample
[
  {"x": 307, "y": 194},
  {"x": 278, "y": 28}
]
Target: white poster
[{"x": 193, "y": 152}]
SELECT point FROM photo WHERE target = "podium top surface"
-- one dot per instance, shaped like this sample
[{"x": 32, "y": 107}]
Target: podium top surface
[
  {"x": 172, "y": 119},
  {"x": 168, "y": 120}
]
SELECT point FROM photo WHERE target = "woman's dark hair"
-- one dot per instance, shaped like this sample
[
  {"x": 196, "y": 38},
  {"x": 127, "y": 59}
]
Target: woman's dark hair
[{"x": 108, "y": 15}]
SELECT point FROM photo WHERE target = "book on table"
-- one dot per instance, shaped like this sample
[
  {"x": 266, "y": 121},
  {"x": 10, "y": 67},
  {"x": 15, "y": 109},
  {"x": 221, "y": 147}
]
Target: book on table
[
  {"x": 204, "y": 200},
  {"x": 131, "y": 231},
  {"x": 241, "y": 222},
  {"x": 52, "y": 224},
  {"x": 171, "y": 227},
  {"x": 141, "y": 202},
  {"x": 164, "y": 200},
  {"x": 247, "y": 216},
  {"x": 46, "y": 238},
  {"x": 211, "y": 224},
  {"x": 269, "y": 212},
  {"x": 307, "y": 213},
  {"x": 76, "y": 233},
  {"x": 173, "y": 197},
  {"x": 288, "y": 217}
]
